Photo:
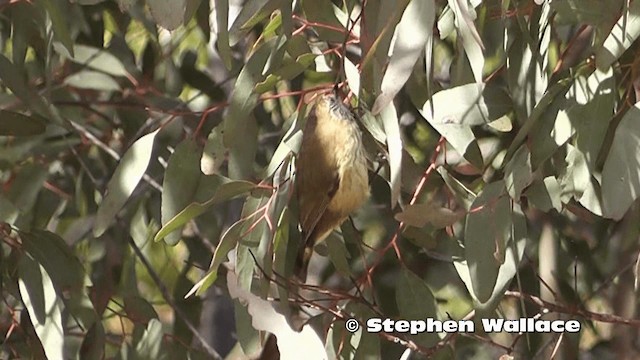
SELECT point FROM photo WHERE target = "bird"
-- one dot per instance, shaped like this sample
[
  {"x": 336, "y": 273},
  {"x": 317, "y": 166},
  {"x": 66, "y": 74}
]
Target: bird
[
  {"x": 331, "y": 173},
  {"x": 331, "y": 181}
]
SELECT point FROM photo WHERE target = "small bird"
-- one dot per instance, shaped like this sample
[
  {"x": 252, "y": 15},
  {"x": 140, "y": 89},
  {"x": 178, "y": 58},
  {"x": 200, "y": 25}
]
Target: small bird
[
  {"x": 331, "y": 175},
  {"x": 331, "y": 180}
]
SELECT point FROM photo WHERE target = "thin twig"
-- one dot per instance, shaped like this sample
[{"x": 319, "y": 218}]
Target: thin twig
[{"x": 169, "y": 299}]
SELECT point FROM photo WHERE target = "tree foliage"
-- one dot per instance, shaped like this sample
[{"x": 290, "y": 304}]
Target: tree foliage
[{"x": 147, "y": 159}]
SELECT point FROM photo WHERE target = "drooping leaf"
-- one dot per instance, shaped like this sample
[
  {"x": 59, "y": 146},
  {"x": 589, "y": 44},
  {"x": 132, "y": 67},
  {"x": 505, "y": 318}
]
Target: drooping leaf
[
  {"x": 222, "y": 19},
  {"x": 239, "y": 123},
  {"x": 53, "y": 253},
  {"x": 251, "y": 13},
  {"x": 390, "y": 121},
  {"x": 471, "y": 41},
  {"x": 149, "y": 346},
  {"x": 44, "y": 306},
  {"x": 486, "y": 234},
  {"x": 416, "y": 302},
  {"x": 229, "y": 240},
  {"x": 339, "y": 255},
  {"x": 412, "y": 34},
  {"x": 518, "y": 172},
  {"x": 621, "y": 174},
  {"x": 222, "y": 189},
  {"x": 57, "y": 10},
  {"x": 624, "y": 33},
  {"x": 14, "y": 78},
  {"x": 507, "y": 271},
  {"x": 128, "y": 174},
  {"x": 180, "y": 183}
]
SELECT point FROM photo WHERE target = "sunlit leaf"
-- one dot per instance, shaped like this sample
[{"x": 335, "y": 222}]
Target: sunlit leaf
[
  {"x": 93, "y": 80},
  {"x": 624, "y": 33},
  {"x": 44, "y": 307},
  {"x": 128, "y": 174},
  {"x": 391, "y": 125},
  {"x": 412, "y": 34}
]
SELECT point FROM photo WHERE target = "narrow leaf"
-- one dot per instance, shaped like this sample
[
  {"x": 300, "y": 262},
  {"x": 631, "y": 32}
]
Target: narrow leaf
[
  {"x": 620, "y": 175},
  {"x": 391, "y": 125},
  {"x": 180, "y": 183},
  {"x": 168, "y": 13},
  {"x": 413, "y": 33},
  {"x": 128, "y": 174}
]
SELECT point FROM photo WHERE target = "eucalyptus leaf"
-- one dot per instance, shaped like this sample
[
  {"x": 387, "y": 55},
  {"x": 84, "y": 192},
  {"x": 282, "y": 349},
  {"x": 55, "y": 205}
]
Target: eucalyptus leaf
[
  {"x": 620, "y": 175},
  {"x": 168, "y": 13},
  {"x": 128, "y": 174},
  {"x": 180, "y": 183}
]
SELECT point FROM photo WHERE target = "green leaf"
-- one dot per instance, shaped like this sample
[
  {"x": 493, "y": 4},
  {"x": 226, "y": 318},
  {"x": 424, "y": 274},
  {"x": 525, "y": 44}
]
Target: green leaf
[
  {"x": 139, "y": 310},
  {"x": 545, "y": 194},
  {"x": 517, "y": 173},
  {"x": 390, "y": 121},
  {"x": 17, "y": 124},
  {"x": 550, "y": 100},
  {"x": 416, "y": 302},
  {"x": 471, "y": 41},
  {"x": 339, "y": 255},
  {"x": 53, "y": 253},
  {"x": 168, "y": 13},
  {"x": 507, "y": 270},
  {"x": 97, "y": 59},
  {"x": 527, "y": 79},
  {"x": 456, "y": 109},
  {"x": 624, "y": 33},
  {"x": 14, "y": 78},
  {"x": 592, "y": 102},
  {"x": 463, "y": 194},
  {"x": 412, "y": 34},
  {"x": 487, "y": 230},
  {"x": 93, "y": 80},
  {"x": 149, "y": 346},
  {"x": 229, "y": 240},
  {"x": 180, "y": 183},
  {"x": 223, "y": 191},
  {"x": 58, "y": 10},
  {"x": 620, "y": 175},
  {"x": 323, "y": 12},
  {"x": 44, "y": 306},
  {"x": 251, "y": 13},
  {"x": 593, "y": 12},
  {"x": 239, "y": 124},
  {"x": 575, "y": 179},
  {"x": 419, "y": 215},
  {"x": 26, "y": 186},
  {"x": 128, "y": 174},
  {"x": 222, "y": 19}
]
